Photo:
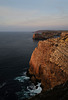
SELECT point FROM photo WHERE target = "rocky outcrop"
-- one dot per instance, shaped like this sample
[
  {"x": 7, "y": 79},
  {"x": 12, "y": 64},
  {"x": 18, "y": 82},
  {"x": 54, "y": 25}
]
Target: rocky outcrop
[
  {"x": 42, "y": 35},
  {"x": 49, "y": 62},
  {"x": 37, "y": 36}
]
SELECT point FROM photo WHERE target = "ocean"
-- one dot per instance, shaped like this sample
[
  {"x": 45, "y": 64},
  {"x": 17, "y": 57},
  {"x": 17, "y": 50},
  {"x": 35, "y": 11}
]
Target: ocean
[{"x": 15, "y": 53}]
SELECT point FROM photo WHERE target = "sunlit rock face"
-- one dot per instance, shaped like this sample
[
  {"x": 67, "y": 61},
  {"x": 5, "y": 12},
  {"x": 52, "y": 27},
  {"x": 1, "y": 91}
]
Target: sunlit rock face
[
  {"x": 49, "y": 62},
  {"x": 64, "y": 34}
]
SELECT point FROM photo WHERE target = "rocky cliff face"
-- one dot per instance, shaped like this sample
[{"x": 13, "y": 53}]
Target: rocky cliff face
[
  {"x": 37, "y": 36},
  {"x": 49, "y": 61},
  {"x": 42, "y": 35}
]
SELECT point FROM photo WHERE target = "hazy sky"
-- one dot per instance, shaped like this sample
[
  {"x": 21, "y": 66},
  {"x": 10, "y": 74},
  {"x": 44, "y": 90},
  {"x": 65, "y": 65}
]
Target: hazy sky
[{"x": 31, "y": 15}]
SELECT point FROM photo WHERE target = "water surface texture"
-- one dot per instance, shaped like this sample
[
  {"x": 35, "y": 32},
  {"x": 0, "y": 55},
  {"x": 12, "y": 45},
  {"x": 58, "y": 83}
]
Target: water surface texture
[{"x": 15, "y": 52}]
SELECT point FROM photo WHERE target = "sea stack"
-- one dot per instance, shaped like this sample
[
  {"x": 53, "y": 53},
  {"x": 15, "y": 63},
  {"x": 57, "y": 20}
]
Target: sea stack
[{"x": 49, "y": 61}]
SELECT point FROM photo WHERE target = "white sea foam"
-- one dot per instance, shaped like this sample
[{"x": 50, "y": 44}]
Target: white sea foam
[
  {"x": 22, "y": 78},
  {"x": 30, "y": 89},
  {"x": 34, "y": 89}
]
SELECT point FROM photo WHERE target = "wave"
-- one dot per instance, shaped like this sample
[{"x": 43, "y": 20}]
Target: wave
[
  {"x": 22, "y": 78},
  {"x": 34, "y": 89},
  {"x": 29, "y": 89}
]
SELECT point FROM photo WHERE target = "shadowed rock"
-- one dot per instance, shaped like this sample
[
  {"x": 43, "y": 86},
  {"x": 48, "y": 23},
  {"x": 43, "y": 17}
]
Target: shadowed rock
[
  {"x": 44, "y": 34},
  {"x": 57, "y": 93}
]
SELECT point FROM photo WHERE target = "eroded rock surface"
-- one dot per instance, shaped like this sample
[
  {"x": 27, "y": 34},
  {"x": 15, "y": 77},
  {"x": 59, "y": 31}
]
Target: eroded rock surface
[{"x": 49, "y": 61}]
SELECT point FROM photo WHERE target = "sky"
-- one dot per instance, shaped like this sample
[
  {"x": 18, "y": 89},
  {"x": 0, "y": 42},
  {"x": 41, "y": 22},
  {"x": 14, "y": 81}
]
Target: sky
[{"x": 32, "y": 15}]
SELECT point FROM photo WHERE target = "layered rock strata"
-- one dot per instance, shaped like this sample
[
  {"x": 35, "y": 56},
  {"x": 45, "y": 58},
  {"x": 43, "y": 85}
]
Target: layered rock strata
[{"x": 49, "y": 61}]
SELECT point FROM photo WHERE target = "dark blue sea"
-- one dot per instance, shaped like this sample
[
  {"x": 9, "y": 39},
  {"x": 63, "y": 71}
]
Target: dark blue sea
[{"x": 15, "y": 52}]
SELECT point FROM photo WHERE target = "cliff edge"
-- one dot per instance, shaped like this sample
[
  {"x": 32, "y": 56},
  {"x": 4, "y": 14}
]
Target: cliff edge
[
  {"x": 49, "y": 61},
  {"x": 45, "y": 34}
]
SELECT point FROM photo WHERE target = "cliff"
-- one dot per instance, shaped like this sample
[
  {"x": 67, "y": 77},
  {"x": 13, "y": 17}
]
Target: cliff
[
  {"x": 49, "y": 62},
  {"x": 42, "y": 34}
]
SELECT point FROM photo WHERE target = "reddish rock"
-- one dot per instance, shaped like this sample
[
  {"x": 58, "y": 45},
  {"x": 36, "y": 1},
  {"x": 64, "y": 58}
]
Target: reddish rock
[
  {"x": 64, "y": 34},
  {"x": 49, "y": 62}
]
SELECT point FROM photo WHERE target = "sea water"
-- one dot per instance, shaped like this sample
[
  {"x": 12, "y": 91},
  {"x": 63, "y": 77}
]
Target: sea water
[{"x": 15, "y": 52}]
